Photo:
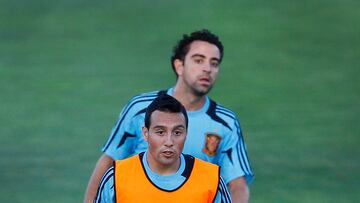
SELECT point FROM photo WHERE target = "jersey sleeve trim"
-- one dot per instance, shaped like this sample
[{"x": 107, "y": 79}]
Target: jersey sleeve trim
[
  {"x": 241, "y": 150},
  {"x": 240, "y": 146},
  {"x": 106, "y": 177},
  {"x": 225, "y": 196}
]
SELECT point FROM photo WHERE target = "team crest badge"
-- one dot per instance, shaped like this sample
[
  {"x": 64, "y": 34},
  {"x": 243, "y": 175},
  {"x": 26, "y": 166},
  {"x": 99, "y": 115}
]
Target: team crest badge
[{"x": 212, "y": 141}]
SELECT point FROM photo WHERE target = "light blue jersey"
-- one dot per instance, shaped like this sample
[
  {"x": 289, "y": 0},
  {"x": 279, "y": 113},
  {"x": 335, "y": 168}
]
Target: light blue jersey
[
  {"x": 106, "y": 193},
  {"x": 214, "y": 135}
]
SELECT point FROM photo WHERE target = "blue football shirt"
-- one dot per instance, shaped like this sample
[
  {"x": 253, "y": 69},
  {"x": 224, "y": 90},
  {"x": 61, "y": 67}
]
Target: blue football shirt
[{"x": 214, "y": 135}]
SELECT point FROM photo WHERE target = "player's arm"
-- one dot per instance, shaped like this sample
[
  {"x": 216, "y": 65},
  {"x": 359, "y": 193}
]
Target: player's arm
[
  {"x": 239, "y": 190},
  {"x": 101, "y": 167}
]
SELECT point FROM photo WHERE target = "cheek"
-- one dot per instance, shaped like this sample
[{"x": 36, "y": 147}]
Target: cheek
[
  {"x": 154, "y": 143},
  {"x": 192, "y": 67},
  {"x": 180, "y": 143},
  {"x": 215, "y": 73}
]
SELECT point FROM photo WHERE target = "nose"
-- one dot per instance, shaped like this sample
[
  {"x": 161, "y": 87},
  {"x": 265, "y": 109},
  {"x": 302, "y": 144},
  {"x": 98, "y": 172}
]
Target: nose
[
  {"x": 169, "y": 141},
  {"x": 206, "y": 67}
]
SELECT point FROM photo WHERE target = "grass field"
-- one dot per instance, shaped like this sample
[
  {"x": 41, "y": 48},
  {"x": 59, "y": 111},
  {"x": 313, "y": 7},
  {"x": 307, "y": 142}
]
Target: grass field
[{"x": 291, "y": 73}]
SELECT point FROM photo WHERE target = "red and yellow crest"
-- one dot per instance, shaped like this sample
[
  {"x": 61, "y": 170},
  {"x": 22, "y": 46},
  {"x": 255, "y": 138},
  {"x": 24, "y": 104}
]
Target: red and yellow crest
[{"x": 212, "y": 142}]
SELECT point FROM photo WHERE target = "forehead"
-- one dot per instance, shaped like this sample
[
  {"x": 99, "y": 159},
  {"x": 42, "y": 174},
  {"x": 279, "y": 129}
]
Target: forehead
[
  {"x": 167, "y": 119},
  {"x": 203, "y": 48}
]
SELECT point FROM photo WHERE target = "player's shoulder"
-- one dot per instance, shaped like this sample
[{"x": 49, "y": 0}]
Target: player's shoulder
[
  {"x": 129, "y": 160},
  {"x": 145, "y": 96},
  {"x": 222, "y": 111},
  {"x": 142, "y": 100}
]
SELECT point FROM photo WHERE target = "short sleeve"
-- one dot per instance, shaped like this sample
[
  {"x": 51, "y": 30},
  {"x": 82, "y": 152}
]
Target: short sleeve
[{"x": 234, "y": 160}]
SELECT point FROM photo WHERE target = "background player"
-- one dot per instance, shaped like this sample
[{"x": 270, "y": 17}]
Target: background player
[{"x": 196, "y": 60}]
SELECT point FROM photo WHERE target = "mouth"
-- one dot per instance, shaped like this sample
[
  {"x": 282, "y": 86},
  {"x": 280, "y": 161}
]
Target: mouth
[
  {"x": 168, "y": 153},
  {"x": 205, "y": 81}
]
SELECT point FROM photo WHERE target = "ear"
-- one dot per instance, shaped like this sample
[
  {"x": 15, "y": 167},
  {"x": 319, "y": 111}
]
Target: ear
[
  {"x": 145, "y": 132},
  {"x": 179, "y": 66}
]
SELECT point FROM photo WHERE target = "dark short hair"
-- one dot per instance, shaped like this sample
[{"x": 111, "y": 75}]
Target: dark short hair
[
  {"x": 183, "y": 46},
  {"x": 164, "y": 103}
]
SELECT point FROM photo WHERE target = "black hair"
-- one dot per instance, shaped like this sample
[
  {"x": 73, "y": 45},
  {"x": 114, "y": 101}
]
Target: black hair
[
  {"x": 164, "y": 103},
  {"x": 183, "y": 46}
]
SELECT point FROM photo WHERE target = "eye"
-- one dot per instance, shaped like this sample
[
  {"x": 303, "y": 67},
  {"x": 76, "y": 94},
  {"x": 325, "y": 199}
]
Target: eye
[
  {"x": 214, "y": 64},
  {"x": 160, "y": 132},
  {"x": 198, "y": 60},
  {"x": 178, "y": 132}
]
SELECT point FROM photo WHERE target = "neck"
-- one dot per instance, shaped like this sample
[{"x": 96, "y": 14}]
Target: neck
[
  {"x": 191, "y": 101},
  {"x": 162, "y": 169}
]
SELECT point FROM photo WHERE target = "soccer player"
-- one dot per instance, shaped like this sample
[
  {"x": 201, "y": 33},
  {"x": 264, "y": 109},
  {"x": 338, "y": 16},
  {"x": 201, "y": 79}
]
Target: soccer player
[
  {"x": 162, "y": 173},
  {"x": 196, "y": 62}
]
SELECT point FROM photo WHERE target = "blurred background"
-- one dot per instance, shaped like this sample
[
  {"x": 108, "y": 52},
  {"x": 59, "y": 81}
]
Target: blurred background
[{"x": 290, "y": 72}]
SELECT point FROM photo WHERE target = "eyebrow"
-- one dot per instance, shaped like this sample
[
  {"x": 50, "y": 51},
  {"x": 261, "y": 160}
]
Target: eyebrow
[
  {"x": 179, "y": 126},
  {"x": 203, "y": 56},
  {"x": 175, "y": 127}
]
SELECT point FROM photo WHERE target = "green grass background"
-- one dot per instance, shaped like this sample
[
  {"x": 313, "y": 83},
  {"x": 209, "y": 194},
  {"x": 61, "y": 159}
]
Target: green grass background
[{"x": 290, "y": 72}]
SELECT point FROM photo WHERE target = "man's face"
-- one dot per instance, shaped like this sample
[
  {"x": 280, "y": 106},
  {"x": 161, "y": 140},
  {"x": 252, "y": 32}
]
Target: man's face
[
  {"x": 200, "y": 67},
  {"x": 166, "y": 137}
]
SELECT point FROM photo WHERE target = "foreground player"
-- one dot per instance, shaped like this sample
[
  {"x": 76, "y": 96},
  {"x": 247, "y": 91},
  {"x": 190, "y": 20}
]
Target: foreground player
[
  {"x": 163, "y": 173},
  {"x": 195, "y": 61}
]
